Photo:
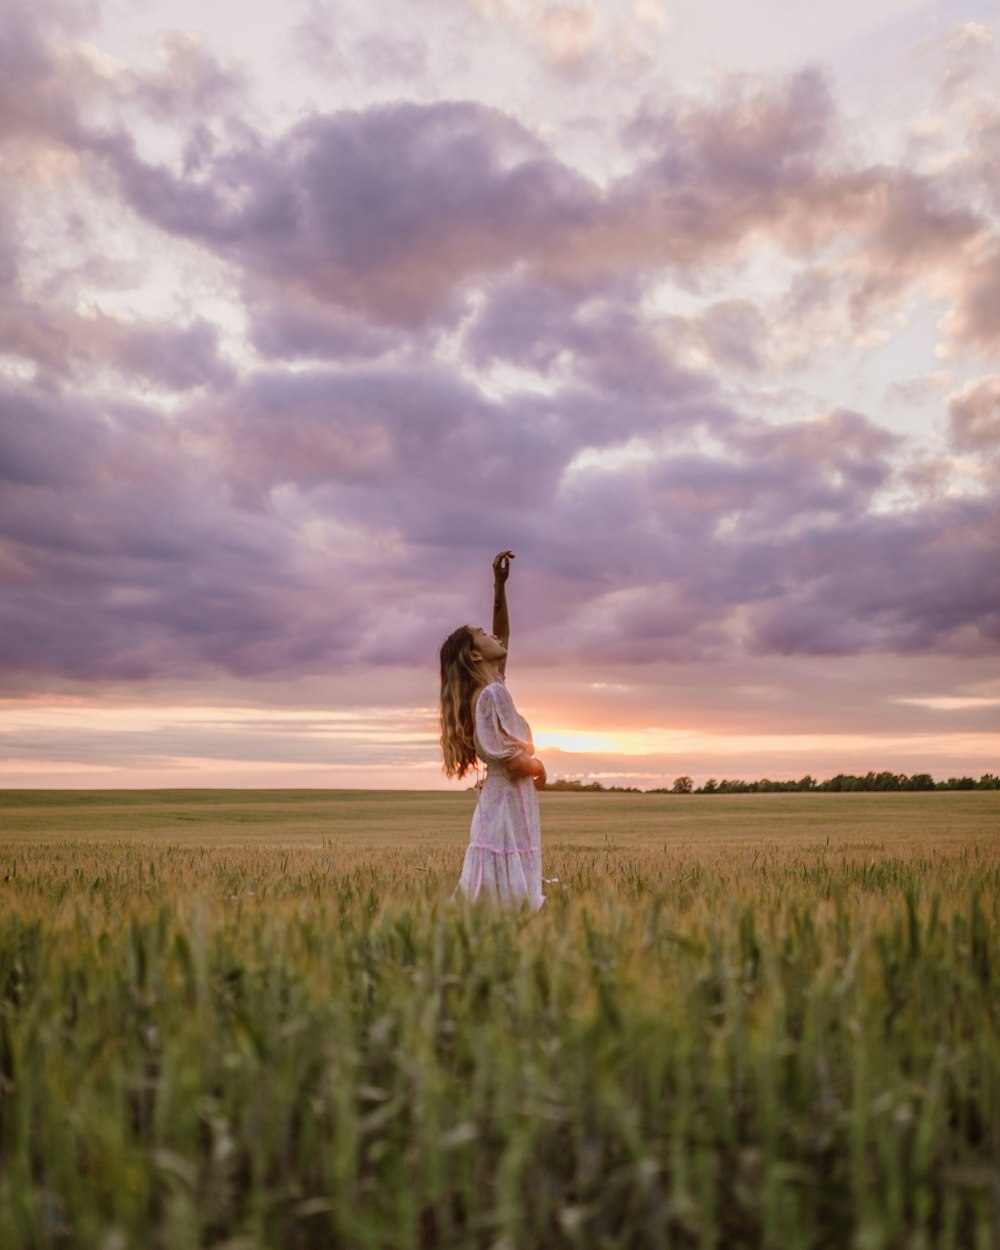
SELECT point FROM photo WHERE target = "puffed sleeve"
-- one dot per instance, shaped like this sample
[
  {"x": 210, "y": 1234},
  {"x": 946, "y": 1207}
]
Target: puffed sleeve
[{"x": 496, "y": 725}]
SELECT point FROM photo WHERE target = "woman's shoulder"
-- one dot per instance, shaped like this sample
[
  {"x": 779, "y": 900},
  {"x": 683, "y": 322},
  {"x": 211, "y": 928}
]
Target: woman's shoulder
[{"x": 493, "y": 692}]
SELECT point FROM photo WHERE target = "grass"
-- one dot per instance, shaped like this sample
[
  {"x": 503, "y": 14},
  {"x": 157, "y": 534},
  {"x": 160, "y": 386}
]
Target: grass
[
  {"x": 441, "y": 818},
  {"x": 255, "y": 1019}
]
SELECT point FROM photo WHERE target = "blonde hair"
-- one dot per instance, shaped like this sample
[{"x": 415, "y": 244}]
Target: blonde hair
[{"x": 461, "y": 677}]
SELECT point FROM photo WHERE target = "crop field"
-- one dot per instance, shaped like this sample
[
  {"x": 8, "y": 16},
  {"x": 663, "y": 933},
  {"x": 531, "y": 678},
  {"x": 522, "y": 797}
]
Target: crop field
[{"x": 256, "y": 1020}]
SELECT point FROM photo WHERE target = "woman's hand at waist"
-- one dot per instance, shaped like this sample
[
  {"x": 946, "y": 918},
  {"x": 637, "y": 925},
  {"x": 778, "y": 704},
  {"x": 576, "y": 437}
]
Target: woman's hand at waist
[{"x": 525, "y": 765}]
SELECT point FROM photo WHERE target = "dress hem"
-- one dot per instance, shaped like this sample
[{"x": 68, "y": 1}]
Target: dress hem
[{"x": 493, "y": 850}]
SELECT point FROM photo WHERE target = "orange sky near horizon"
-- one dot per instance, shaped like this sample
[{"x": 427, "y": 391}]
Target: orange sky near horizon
[{"x": 137, "y": 746}]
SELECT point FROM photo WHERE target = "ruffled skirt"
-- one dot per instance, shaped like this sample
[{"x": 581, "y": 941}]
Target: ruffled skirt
[{"x": 503, "y": 862}]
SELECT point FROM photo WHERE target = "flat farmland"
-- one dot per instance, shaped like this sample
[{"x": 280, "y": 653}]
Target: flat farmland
[
  {"x": 257, "y": 1019},
  {"x": 436, "y": 819}
]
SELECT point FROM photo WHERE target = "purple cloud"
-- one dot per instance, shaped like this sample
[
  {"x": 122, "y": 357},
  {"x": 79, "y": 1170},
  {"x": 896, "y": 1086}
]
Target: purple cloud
[
  {"x": 399, "y": 268},
  {"x": 908, "y": 583},
  {"x": 40, "y": 91},
  {"x": 64, "y": 342},
  {"x": 274, "y": 527},
  {"x": 298, "y": 326},
  {"x": 387, "y": 211}
]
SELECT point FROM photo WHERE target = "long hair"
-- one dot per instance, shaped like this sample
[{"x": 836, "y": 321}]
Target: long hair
[{"x": 460, "y": 678}]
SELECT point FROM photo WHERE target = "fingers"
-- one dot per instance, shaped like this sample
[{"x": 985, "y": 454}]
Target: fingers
[{"x": 503, "y": 556}]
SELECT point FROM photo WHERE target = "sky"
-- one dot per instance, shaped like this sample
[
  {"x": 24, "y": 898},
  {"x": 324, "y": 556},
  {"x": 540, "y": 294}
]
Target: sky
[{"x": 308, "y": 308}]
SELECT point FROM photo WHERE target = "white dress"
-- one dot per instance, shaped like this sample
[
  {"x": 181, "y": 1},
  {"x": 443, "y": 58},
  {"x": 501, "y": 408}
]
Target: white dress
[{"x": 504, "y": 859}]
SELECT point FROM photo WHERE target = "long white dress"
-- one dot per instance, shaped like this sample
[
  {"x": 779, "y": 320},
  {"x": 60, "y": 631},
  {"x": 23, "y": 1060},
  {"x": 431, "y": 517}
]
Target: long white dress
[{"x": 504, "y": 859}]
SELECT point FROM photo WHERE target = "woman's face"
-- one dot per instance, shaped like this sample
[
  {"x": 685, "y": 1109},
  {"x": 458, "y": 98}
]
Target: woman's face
[{"x": 487, "y": 646}]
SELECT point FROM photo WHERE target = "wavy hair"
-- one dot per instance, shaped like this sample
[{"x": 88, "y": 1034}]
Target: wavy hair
[{"x": 461, "y": 677}]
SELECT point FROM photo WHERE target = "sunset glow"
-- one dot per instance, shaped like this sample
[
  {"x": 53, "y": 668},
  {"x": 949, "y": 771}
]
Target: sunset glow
[{"x": 306, "y": 310}]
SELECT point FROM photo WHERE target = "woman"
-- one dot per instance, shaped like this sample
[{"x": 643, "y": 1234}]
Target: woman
[{"x": 479, "y": 720}]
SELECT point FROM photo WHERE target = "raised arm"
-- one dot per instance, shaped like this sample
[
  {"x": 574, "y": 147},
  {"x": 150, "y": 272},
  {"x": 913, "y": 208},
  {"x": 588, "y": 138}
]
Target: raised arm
[{"x": 501, "y": 621}]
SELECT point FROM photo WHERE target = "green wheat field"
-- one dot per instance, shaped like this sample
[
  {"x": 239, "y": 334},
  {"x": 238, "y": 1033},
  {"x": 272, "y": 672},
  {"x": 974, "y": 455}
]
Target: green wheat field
[{"x": 256, "y": 1019}]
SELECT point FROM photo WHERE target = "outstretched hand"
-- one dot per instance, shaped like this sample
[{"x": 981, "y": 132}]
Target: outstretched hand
[{"x": 501, "y": 566}]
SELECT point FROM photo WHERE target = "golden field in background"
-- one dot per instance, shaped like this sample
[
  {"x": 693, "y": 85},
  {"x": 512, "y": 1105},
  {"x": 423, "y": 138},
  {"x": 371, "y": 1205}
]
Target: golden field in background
[{"x": 440, "y": 819}]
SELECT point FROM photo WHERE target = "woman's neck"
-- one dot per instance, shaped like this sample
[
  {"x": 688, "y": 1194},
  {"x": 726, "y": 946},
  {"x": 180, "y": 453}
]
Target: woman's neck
[{"x": 490, "y": 670}]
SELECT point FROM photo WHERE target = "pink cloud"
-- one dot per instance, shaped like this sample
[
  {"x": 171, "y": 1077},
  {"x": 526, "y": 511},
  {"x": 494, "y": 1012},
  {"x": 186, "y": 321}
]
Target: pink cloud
[
  {"x": 975, "y": 320},
  {"x": 975, "y": 417}
]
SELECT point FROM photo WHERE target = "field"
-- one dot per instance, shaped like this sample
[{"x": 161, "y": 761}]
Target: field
[{"x": 257, "y": 1020}]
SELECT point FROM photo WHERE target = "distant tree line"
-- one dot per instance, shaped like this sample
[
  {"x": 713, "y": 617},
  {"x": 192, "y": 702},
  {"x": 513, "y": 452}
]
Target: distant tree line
[
  {"x": 561, "y": 783},
  {"x": 841, "y": 783}
]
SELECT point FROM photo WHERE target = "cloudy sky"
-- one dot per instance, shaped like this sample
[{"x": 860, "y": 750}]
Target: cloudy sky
[{"x": 309, "y": 307}]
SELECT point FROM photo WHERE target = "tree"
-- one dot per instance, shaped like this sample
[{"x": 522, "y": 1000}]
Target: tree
[
  {"x": 683, "y": 785},
  {"x": 921, "y": 781},
  {"x": 958, "y": 783}
]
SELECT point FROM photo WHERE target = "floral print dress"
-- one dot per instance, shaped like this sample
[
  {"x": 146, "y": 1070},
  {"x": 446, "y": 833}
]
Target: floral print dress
[{"x": 504, "y": 858}]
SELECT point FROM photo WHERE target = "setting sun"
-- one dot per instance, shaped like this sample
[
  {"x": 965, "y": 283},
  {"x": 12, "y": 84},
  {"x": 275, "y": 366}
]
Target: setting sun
[{"x": 576, "y": 740}]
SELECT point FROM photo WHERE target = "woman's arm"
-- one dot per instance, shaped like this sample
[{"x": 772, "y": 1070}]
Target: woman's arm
[
  {"x": 525, "y": 765},
  {"x": 501, "y": 621}
]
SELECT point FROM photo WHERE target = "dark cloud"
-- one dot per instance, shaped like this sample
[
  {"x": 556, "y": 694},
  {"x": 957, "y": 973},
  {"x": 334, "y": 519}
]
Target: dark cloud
[
  {"x": 772, "y": 546},
  {"x": 917, "y": 581},
  {"x": 280, "y": 531},
  {"x": 833, "y": 464},
  {"x": 303, "y": 327},
  {"x": 39, "y": 446},
  {"x": 396, "y": 210},
  {"x": 314, "y": 520},
  {"x": 126, "y": 558},
  {"x": 598, "y": 336},
  {"x": 413, "y": 453},
  {"x": 849, "y": 587},
  {"x": 389, "y": 211}
]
